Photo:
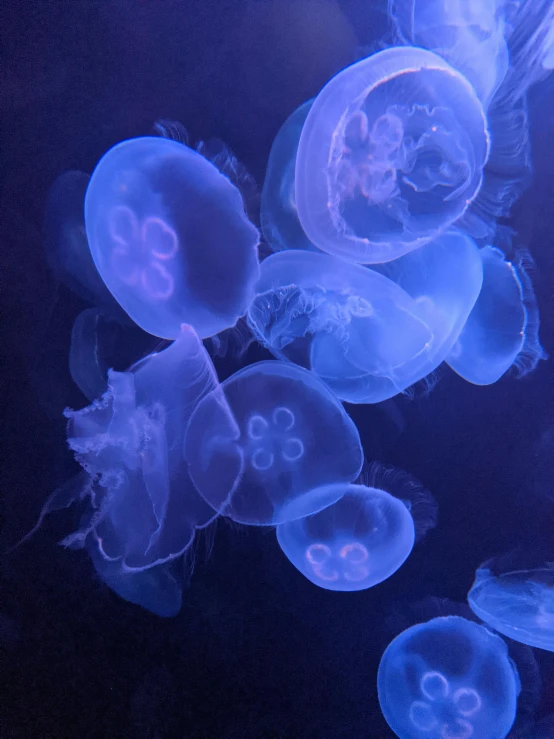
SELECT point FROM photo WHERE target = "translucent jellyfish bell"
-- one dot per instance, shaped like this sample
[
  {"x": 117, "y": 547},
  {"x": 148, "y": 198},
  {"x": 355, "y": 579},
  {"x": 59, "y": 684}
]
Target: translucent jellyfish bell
[
  {"x": 502, "y": 329},
  {"x": 469, "y": 35},
  {"x": 517, "y": 603},
  {"x": 170, "y": 237},
  {"x": 267, "y": 435},
  {"x": 362, "y": 538},
  {"x": 449, "y": 678},
  {"x": 390, "y": 155}
]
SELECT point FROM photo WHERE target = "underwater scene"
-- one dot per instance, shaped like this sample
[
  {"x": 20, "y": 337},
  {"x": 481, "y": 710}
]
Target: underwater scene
[{"x": 277, "y": 317}]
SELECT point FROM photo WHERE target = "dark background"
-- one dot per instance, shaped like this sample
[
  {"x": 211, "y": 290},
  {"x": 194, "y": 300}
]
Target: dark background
[{"x": 257, "y": 652}]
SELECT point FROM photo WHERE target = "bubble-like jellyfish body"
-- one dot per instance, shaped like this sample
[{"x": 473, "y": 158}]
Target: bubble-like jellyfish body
[
  {"x": 266, "y": 436},
  {"x": 364, "y": 335},
  {"x": 362, "y": 538},
  {"x": 66, "y": 246},
  {"x": 278, "y": 215},
  {"x": 170, "y": 238},
  {"x": 469, "y": 35},
  {"x": 502, "y": 329},
  {"x": 449, "y": 678},
  {"x": 518, "y": 604},
  {"x": 390, "y": 155}
]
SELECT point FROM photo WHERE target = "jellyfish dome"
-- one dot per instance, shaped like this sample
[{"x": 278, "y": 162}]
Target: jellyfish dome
[
  {"x": 267, "y": 435},
  {"x": 390, "y": 155},
  {"x": 170, "y": 238},
  {"x": 362, "y": 538},
  {"x": 518, "y": 604},
  {"x": 449, "y": 678},
  {"x": 502, "y": 328}
]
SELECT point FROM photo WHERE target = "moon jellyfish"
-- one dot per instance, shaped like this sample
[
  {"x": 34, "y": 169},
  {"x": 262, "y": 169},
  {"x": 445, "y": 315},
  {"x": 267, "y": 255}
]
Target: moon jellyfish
[
  {"x": 390, "y": 155},
  {"x": 469, "y": 35},
  {"x": 143, "y": 509},
  {"x": 518, "y": 603},
  {"x": 279, "y": 218},
  {"x": 270, "y": 433},
  {"x": 170, "y": 237},
  {"x": 502, "y": 329},
  {"x": 362, "y": 538},
  {"x": 449, "y": 678}
]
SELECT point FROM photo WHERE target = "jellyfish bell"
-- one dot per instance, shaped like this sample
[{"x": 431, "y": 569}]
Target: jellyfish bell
[
  {"x": 170, "y": 237},
  {"x": 390, "y": 155}
]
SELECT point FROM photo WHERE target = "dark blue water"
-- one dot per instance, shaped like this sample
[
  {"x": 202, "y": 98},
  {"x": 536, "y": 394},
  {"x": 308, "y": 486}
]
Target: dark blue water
[{"x": 256, "y": 652}]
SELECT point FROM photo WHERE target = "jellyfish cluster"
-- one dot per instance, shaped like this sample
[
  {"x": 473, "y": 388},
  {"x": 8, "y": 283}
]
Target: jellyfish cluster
[{"x": 381, "y": 256}]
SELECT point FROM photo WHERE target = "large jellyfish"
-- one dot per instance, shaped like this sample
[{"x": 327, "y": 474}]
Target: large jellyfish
[
  {"x": 267, "y": 435},
  {"x": 448, "y": 678},
  {"x": 170, "y": 237},
  {"x": 502, "y": 328},
  {"x": 362, "y": 538},
  {"x": 518, "y": 603},
  {"x": 143, "y": 509},
  {"x": 366, "y": 336},
  {"x": 390, "y": 155}
]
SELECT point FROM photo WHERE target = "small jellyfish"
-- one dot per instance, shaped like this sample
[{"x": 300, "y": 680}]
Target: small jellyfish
[
  {"x": 143, "y": 509},
  {"x": 518, "y": 603},
  {"x": 391, "y": 154},
  {"x": 279, "y": 218},
  {"x": 448, "y": 678},
  {"x": 469, "y": 35},
  {"x": 502, "y": 329},
  {"x": 367, "y": 337},
  {"x": 362, "y": 538},
  {"x": 170, "y": 237},
  {"x": 270, "y": 433}
]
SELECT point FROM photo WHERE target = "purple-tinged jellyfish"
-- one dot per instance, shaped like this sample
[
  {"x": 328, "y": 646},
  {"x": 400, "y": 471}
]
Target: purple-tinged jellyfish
[
  {"x": 362, "y": 538},
  {"x": 518, "y": 603},
  {"x": 391, "y": 154},
  {"x": 502, "y": 329},
  {"x": 170, "y": 237},
  {"x": 270, "y": 433},
  {"x": 448, "y": 678},
  {"x": 143, "y": 509}
]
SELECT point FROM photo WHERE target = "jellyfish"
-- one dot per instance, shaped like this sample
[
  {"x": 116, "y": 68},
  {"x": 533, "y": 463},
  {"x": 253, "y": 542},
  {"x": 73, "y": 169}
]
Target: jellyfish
[
  {"x": 142, "y": 507},
  {"x": 170, "y": 238},
  {"x": 518, "y": 603},
  {"x": 367, "y": 337},
  {"x": 469, "y": 35},
  {"x": 448, "y": 678},
  {"x": 270, "y": 433},
  {"x": 391, "y": 154},
  {"x": 279, "y": 218},
  {"x": 362, "y": 538},
  {"x": 502, "y": 329}
]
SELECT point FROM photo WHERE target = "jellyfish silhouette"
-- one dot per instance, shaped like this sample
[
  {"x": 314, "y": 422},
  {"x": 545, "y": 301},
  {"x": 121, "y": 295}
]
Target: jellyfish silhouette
[
  {"x": 362, "y": 538},
  {"x": 267, "y": 435},
  {"x": 448, "y": 678},
  {"x": 502, "y": 329},
  {"x": 518, "y": 603},
  {"x": 391, "y": 154},
  {"x": 143, "y": 509},
  {"x": 170, "y": 237}
]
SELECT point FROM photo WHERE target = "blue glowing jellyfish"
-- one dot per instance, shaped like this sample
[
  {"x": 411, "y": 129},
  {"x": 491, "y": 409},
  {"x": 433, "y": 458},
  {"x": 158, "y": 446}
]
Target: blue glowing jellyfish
[
  {"x": 366, "y": 336},
  {"x": 362, "y": 538},
  {"x": 518, "y": 603},
  {"x": 143, "y": 509},
  {"x": 267, "y": 435},
  {"x": 279, "y": 219},
  {"x": 449, "y": 678},
  {"x": 469, "y": 35},
  {"x": 502, "y": 328},
  {"x": 390, "y": 155},
  {"x": 170, "y": 238}
]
